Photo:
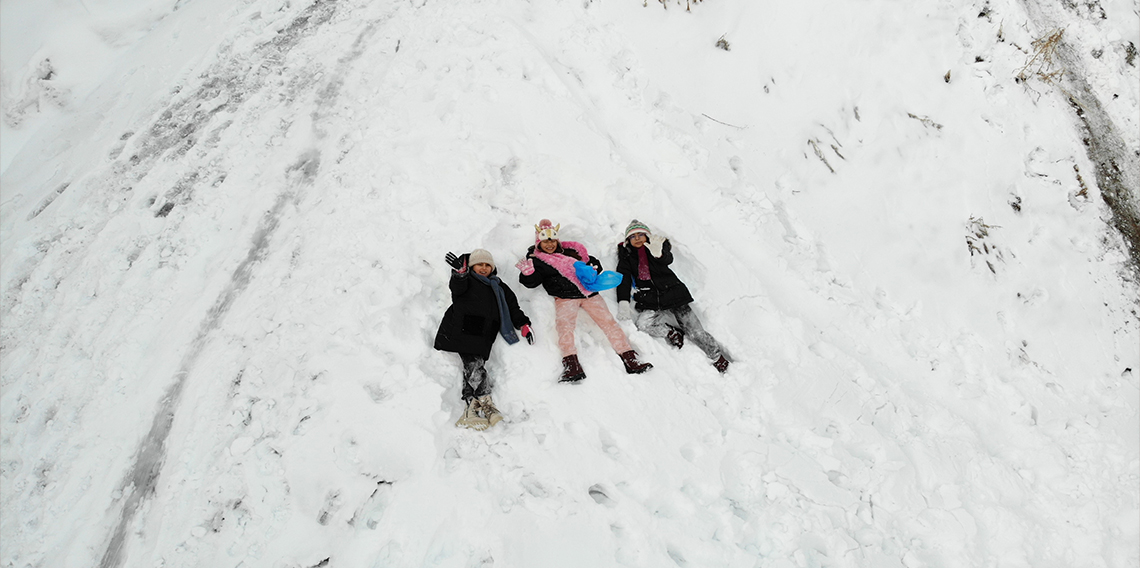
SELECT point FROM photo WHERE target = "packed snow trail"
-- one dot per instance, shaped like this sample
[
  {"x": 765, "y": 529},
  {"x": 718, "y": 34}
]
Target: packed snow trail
[{"x": 223, "y": 271}]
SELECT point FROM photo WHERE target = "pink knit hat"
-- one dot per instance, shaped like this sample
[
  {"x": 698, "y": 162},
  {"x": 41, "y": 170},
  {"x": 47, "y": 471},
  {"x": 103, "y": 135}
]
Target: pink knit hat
[{"x": 545, "y": 230}]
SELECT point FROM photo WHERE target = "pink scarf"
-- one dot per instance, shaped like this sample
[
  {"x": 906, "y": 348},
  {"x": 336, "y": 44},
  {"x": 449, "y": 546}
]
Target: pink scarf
[{"x": 565, "y": 264}]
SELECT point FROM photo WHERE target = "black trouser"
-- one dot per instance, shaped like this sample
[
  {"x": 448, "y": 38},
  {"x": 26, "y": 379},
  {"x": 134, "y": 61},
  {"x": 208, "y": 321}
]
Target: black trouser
[{"x": 475, "y": 381}]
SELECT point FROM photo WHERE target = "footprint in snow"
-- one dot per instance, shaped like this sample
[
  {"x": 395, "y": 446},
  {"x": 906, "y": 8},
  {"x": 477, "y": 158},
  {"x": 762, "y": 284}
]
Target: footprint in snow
[
  {"x": 677, "y": 557},
  {"x": 609, "y": 444},
  {"x": 534, "y": 486},
  {"x": 484, "y": 560},
  {"x": 332, "y": 504},
  {"x": 598, "y": 493}
]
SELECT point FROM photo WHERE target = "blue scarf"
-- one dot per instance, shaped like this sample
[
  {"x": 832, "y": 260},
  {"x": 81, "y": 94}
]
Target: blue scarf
[{"x": 506, "y": 327}]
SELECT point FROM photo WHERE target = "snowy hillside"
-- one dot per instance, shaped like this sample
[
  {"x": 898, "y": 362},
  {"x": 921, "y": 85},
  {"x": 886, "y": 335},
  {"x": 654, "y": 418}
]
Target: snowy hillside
[{"x": 222, "y": 232}]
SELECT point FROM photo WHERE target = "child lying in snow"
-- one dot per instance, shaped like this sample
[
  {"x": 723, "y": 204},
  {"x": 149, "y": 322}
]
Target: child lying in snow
[
  {"x": 643, "y": 261},
  {"x": 482, "y": 307},
  {"x": 550, "y": 263}
]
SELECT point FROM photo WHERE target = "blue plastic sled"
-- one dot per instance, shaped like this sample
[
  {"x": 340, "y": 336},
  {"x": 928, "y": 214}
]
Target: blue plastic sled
[{"x": 593, "y": 281}]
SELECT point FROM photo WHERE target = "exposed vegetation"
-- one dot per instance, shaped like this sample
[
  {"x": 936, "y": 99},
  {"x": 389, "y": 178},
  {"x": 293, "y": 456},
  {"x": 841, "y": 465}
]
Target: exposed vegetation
[
  {"x": 977, "y": 241},
  {"x": 1117, "y": 170},
  {"x": 925, "y": 120},
  {"x": 665, "y": 3},
  {"x": 1042, "y": 62}
]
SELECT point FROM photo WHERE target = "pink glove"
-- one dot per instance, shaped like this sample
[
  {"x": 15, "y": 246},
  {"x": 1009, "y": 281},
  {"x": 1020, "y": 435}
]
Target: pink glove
[
  {"x": 526, "y": 266},
  {"x": 528, "y": 334}
]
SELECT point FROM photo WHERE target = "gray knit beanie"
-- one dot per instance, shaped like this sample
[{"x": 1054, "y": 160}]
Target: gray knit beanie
[{"x": 481, "y": 256}]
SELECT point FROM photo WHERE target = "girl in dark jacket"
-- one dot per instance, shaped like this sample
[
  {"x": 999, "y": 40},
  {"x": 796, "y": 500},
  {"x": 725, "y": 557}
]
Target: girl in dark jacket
[
  {"x": 550, "y": 264},
  {"x": 643, "y": 262},
  {"x": 482, "y": 307}
]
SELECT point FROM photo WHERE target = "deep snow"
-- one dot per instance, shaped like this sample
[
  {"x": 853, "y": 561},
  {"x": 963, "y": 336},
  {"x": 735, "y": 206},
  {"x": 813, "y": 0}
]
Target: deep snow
[{"x": 223, "y": 227}]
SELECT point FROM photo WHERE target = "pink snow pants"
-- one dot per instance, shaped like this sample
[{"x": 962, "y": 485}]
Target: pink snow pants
[{"x": 566, "y": 317}]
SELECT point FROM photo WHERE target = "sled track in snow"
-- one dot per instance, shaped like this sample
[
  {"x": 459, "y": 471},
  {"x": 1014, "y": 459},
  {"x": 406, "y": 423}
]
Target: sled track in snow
[
  {"x": 140, "y": 482},
  {"x": 176, "y": 131}
]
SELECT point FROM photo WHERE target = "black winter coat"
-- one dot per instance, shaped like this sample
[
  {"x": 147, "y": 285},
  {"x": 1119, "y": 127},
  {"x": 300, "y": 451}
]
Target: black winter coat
[
  {"x": 552, "y": 280},
  {"x": 472, "y": 322},
  {"x": 663, "y": 290}
]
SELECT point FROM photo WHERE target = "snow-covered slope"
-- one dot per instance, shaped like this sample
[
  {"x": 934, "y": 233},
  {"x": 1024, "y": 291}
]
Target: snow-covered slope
[{"x": 223, "y": 269}]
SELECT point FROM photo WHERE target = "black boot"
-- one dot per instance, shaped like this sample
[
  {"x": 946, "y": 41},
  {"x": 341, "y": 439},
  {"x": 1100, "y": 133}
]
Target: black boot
[
  {"x": 571, "y": 370},
  {"x": 632, "y": 365}
]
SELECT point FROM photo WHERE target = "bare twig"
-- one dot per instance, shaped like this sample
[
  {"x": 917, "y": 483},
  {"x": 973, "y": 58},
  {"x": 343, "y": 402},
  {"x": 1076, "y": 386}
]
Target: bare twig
[
  {"x": 925, "y": 121},
  {"x": 819, "y": 154},
  {"x": 722, "y": 122}
]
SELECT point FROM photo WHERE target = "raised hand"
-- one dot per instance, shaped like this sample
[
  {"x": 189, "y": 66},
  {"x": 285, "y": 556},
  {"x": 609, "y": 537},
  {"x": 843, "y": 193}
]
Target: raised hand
[
  {"x": 655, "y": 245},
  {"x": 459, "y": 264},
  {"x": 526, "y": 266}
]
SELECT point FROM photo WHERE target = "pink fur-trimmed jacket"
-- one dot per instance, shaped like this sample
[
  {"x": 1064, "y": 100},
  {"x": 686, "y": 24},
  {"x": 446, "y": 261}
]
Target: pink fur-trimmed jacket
[{"x": 555, "y": 271}]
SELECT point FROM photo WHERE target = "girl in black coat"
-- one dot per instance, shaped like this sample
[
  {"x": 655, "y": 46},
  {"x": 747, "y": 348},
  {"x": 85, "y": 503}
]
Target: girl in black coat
[
  {"x": 482, "y": 308},
  {"x": 643, "y": 262}
]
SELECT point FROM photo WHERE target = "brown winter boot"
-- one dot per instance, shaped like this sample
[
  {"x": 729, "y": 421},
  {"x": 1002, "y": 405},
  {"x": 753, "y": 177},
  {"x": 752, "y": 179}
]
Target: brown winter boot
[
  {"x": 632, "y": 365},
  {"x": 721, "y": 364},
  {"x": 471, "y": 418},
  {"x": 675, "y": 337},
  {"x": 487, "y": 407},
  {"x": 571, "y": 370}
]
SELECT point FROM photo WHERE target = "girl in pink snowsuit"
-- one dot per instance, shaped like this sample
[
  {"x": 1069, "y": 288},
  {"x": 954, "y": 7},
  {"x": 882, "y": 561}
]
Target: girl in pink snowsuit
[{"x": 550, "y": 264}]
